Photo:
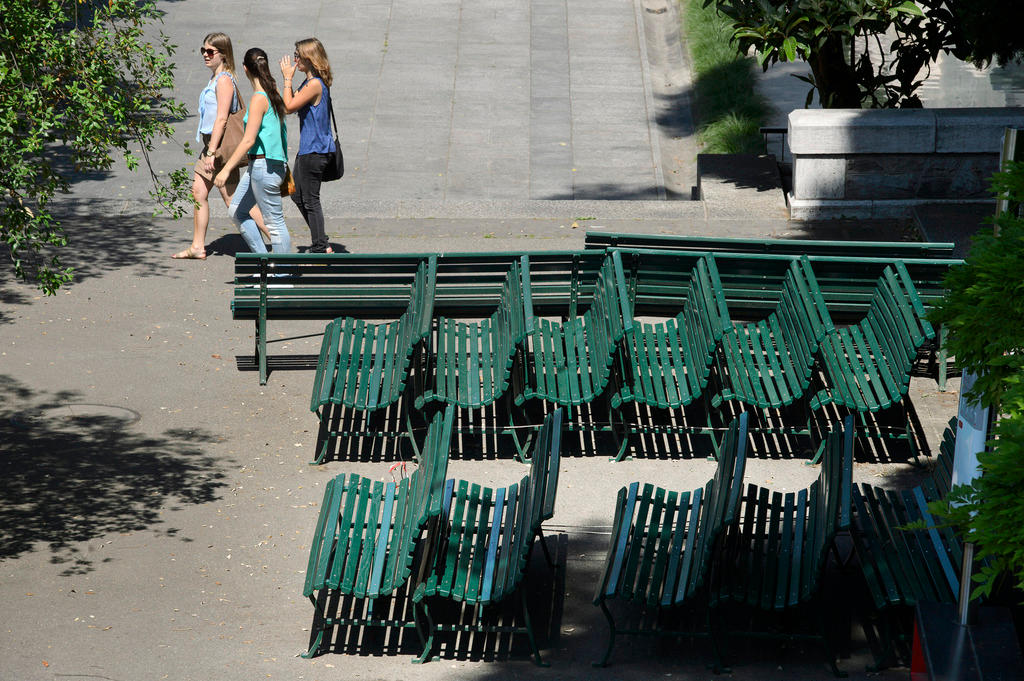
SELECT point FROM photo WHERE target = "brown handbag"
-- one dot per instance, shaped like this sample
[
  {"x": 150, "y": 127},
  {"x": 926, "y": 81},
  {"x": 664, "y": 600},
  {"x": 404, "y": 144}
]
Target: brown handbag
[
  {"x": 234, "y": 130},
  {"x": 288, "y": 183}
]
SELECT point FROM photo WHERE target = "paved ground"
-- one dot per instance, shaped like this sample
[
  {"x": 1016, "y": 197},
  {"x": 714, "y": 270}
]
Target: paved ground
[
  {"x": 157, "y": 504},
  {"x": 453, "y": 101}
]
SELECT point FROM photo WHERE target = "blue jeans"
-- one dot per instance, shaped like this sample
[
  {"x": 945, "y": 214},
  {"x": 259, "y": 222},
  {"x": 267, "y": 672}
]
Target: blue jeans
[{"x": 261, "y": 185}]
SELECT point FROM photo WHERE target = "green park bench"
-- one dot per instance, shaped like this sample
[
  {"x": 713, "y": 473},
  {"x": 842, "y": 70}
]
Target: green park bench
[
  {"x": 775, "y": 557},
  {"x": 668, "y": 363},
  {"x": 664, "y": 544},
  {"x": 367, "y": 534},
  {"x": 484, "y": 541},
  {"x": 902, "y": 566},
  {"x": 779, "y": 358},
  {"x": 867, "y": 365},
  {"x": 319, "y": 286},
  {"x": 295, "y": 286}
]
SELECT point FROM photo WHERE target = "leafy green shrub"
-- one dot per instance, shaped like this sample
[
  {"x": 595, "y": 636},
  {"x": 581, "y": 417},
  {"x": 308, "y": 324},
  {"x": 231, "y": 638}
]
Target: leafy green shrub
[
  {"x": 728, "y": 108},
  {"x": 984, "y": 312}
]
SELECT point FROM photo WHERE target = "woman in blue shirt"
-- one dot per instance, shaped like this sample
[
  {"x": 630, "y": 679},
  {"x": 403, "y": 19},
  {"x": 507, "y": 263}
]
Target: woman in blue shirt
[
  {"x": 312, "y": 100},
  {"x": 266, "y": 143},
  {"x": 217, "y": 100}
]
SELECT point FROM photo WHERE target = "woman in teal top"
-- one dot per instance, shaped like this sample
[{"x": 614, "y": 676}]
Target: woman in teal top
[{"x": 266, "y": 142}]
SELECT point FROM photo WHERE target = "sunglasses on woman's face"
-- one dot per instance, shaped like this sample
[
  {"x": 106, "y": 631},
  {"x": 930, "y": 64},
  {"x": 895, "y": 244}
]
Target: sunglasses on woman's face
[
  {"x": 296, "y": 56},
  {"x": 207, "y": 51}
]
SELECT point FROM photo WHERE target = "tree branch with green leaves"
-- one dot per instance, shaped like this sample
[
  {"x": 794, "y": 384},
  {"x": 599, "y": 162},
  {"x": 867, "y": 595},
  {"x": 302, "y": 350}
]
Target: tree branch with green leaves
[
  {"x": 84, "y": 81},
  {"x": 873, "y": 53}
]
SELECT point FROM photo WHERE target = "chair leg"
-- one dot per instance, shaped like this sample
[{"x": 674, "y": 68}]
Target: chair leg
[
  {"x": 887, "y": 654},
  {"x": 943, "y": 356},
  {"x": 326, "y": 439},
  {"x": 544, "y": 548},
  {"x": 319, "y": 626},
  {"x": 911, "y": 440},
  {"x": 717, "y": 666},
  {"x": 529, "y": 630},
  {"x": 408, "y": 409},
  {"x": 261, "y": 348},
  {"x": 522, "y": 448},
  {"x": 314, "y": 647},
  {"x": 709, "y": 427},
  {"x": 826, "y": 643},
  {"x": 620, "y": 433},
  {"x": 611, "y": 636},
  {"x": 428, "y": 641},
  {"x": 810, "y": 433}
]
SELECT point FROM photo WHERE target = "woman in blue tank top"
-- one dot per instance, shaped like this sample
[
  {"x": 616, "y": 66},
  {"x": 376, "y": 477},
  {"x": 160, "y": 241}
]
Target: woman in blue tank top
[
  {"x": 312, "y": 100},
  {"x": 266, "y": 142}
]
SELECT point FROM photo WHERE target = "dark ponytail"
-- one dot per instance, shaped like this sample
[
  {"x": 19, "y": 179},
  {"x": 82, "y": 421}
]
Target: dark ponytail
[{"x": 256, "y": 61}]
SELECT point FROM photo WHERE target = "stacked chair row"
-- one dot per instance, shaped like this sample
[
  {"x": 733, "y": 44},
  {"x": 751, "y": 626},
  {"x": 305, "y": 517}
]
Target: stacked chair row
[
  {"x": 718, "y": 545},
  {"x": 428, "y": 538},
  {"x": 697, "y": 552},
  {"x": 792, "y": 353},
  {"x": 676, "y": 560},
  {"x": 906, "y": 556}
]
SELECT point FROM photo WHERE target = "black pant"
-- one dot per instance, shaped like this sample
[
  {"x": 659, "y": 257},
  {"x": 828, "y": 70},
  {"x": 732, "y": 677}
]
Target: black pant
[{"x": 309, "y": 168}]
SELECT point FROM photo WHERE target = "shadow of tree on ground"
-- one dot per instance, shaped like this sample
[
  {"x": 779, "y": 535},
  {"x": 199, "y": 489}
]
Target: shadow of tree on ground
[{"x": 74, "y": 472}]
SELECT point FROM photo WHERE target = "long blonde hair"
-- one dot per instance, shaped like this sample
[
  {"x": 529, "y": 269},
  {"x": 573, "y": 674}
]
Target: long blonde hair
[
  {"x": 312, "y": 50},
  {"x": 223, "y": 44}
]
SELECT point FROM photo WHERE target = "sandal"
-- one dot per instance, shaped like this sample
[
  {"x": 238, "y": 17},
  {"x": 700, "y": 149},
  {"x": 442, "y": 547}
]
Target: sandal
[{"x": 189, "y": 254}]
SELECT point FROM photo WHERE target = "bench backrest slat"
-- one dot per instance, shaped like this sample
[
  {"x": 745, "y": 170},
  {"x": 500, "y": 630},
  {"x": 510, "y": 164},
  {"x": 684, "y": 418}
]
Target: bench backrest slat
[
  {"x": 830, "y": 500},
  {"x": 720, "y": 507},
  {"x": 598, "y": 240}
]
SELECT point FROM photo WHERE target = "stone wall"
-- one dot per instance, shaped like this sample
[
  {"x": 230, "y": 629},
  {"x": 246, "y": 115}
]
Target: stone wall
[{"x": 853, "y": 163}]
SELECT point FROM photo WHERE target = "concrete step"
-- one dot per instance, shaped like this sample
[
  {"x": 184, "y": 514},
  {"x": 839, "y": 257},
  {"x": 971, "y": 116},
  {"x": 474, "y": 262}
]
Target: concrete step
[{"x": 736, "y": 185}]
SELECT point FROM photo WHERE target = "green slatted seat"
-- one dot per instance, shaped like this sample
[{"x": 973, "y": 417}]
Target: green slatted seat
[
  {"x": 670, "y": 361},
  {"x": 570, "y": 362},
  {"x": 485, "y": 539},
  {"x": 769, "y": 363},
  {"x": 667, "y": 364},
  {"x": 867, "y": 365},
  {"x": 664, "y": 543},
  {"x": 775, "y": 557},
  {"x": 470, "y": 364},
  {"x": 902, "y": 567},
  {"x": 367, "y": 532},
  {"x": 366, "y": 366}
]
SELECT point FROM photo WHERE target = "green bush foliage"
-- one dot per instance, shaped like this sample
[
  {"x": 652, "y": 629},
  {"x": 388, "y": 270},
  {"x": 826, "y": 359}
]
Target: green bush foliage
[
  {"x": 81, "y": 82},
  {"x": 728, "y": 108},
  {"x": 984, "y": 312}
]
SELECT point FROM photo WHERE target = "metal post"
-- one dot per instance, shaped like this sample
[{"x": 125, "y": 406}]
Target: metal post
[{"x": 963, "y": 604}]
